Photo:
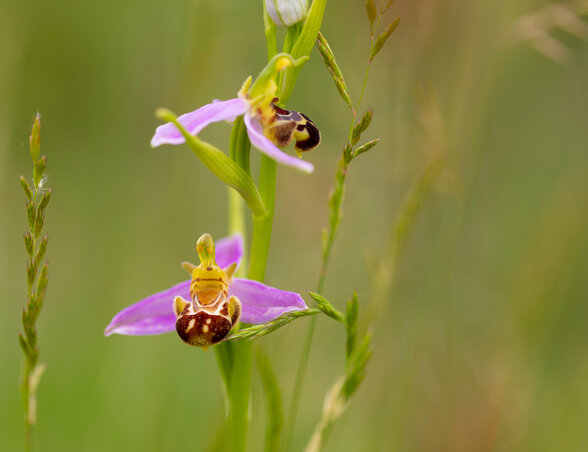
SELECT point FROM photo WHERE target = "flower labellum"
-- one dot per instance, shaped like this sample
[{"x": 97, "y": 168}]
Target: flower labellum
[
  {"x": 268, "y": 126},
  {"x": 211, "y": 314},
  {"x": 291, "y": 125},
  {"x": 287, "y": 12},
  {"x": 211, "y": 294}
]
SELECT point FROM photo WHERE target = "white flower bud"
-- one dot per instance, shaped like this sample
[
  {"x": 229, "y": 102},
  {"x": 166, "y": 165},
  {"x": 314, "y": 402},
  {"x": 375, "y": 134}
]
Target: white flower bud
[{"x": 287, "y": 12}]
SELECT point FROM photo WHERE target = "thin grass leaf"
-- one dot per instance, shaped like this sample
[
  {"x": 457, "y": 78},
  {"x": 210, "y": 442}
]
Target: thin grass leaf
[
  {"x": 31, "y": 214},
  {"x": 366, "y": 147},
  {"x": 31, "y": 272},
  {"x": 29, "y": 243},
  {"x": 41, "y": 251},
  {"x": 343, "y": 92},
  {"x": 42, "y": 283},
  {"x": 361, "y": 126},
  {"x": 326, "y": 307},
  {"x": 328, "y": 56},
  {"x": 23, "y": 344},
  {"x": 370, "y": 7},
  {"x": 31, "y": 335},
  {"x": 356, "y": 369},
  {"x": 267, "y": 328},
  {"x": 45, "y": 200},
  {"x": 39, "y": 222},
  {"x": 329, "y": 60},
  {"x": 35, "y": 138},
  {"x": 26, "y": 187},
  {"x": 383, "y": 37},
  {"x": 39, "y": 170},
  {"x": 347, "y": 155}
]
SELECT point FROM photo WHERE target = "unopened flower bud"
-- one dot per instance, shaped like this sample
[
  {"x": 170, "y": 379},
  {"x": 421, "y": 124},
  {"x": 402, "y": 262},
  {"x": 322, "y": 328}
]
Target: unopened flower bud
[{"x": 287, "y": 12}]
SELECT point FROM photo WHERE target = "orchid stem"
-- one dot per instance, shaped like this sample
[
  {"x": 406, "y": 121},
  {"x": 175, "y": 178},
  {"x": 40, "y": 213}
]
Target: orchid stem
[
  {"x": 270, "y": 33},
  {"x": 234, "y": 360},
  {"x": 239, "y": 147},
  {"x": 239, "y": 396},
  {"x": 262, "y": 226}
]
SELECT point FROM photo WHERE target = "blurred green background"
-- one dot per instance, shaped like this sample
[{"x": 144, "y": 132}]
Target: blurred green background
[{"x": 480, "y": 312}]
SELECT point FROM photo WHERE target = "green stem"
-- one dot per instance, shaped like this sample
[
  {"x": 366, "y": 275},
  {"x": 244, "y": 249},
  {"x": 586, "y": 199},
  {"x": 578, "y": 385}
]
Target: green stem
[
  {"x": 262, "y": 226},
  {"x": 234, "y": 360},
  {"x": 224, "y": 353},
  {"x": 292, "y": 35},
  {"x": 240, "y": 380},
  {"x": 236, "y": 212},
  {"x": 270, "y": 33},
  {"x": 367, "y": 71},
  {"x": 239, "y": 148},
  {"x": 239, "y": 391}
]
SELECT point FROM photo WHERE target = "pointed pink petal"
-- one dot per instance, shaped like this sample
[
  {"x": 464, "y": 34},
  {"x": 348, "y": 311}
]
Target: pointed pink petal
[
  {"x": 197, "y": 120},
  {"x": 261, "y": 142},
  {"x": 263, "y": 303},
  {"x": 153, "y": 315}
]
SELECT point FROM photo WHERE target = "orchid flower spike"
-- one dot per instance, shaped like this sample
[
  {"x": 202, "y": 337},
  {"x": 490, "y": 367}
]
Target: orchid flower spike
[
  {"x": 203, "y": 310},
  {"x": 268, "y": 126}
]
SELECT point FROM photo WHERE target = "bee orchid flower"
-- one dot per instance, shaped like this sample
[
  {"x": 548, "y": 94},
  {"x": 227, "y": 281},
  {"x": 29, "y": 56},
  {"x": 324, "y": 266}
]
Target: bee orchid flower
[
  {"x": 204, "y": 309},
  {"x": 267, "y": 125}
]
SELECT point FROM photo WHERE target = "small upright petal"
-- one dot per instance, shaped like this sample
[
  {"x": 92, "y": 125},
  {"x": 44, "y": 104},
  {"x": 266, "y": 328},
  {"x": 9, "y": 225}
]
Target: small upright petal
[
  {"x": 229, "y": 250},
  {"x": 263, "y": 303},
  {"x": 261, "y": 142},
  {"x": 197, "y": 120}
]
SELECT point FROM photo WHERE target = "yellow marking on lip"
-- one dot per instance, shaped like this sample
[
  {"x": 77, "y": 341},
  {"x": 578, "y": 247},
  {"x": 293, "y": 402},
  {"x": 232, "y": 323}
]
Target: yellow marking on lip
[
  {"x": 205, "y": 328},
  {"x": 190, "y": 325}
]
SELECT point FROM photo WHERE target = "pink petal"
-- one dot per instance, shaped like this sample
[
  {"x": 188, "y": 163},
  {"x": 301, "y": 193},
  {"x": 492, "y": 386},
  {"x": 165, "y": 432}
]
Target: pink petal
[
  {"x": 197, "y": 120},
  {"x": 261, "y": 142},
  {"x": 153, "y": 315},
  {"x": 263, "y": 303},
  {"x": 229, "y": 250}
]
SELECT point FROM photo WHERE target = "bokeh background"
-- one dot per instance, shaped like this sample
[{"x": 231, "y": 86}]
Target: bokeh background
[{"x": 477, "y": 291}]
